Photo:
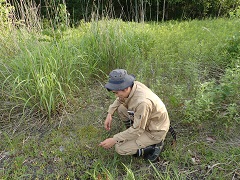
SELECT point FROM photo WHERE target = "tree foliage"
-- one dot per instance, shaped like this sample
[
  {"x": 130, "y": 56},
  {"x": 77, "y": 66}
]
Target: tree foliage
[{"x": 137, "y": 10}]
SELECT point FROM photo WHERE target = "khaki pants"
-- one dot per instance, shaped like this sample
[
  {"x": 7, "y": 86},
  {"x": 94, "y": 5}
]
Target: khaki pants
[{"x": 146, "y": 138}]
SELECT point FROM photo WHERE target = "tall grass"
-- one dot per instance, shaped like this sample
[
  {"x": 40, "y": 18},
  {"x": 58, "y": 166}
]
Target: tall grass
[
  {"x": 171, "y": 58},
  {"x": 39, "y": 71},
  {"x": 174, "y": 59}
]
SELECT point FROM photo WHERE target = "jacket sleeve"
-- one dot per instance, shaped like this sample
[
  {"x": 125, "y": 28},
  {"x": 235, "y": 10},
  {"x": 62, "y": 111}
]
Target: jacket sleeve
[
  {"x": 141, "y": 117},
  {"x": 112, "y": 108}
]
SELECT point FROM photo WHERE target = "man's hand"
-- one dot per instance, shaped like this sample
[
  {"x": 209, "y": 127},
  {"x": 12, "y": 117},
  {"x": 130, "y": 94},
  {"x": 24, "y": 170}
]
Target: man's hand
[
  {"x": 108, "y": 143},
  {"x": 108, "y": 122}
]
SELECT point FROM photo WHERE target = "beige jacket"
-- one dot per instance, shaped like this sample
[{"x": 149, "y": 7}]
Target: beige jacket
[{"x": 150, "y": 114}]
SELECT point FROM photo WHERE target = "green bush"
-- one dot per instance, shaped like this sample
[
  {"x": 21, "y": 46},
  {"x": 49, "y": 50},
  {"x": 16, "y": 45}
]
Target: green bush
[
  {"x": 217, "y": 101},
  {"x": 6, "y": 13},
  {"x": 235, "y": 13}
]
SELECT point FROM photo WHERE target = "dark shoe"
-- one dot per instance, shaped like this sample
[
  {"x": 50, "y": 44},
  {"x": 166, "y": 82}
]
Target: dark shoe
[
  {"x": 145, "y": 151},
  {"x": 153, "y": 157}
]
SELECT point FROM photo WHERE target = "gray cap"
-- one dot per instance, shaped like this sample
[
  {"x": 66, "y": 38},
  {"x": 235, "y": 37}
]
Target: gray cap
[{"x": 119, "y": 80}]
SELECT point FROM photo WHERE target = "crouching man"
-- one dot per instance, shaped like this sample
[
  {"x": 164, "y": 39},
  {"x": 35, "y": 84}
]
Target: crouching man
[{"x": 144, "y": 114}]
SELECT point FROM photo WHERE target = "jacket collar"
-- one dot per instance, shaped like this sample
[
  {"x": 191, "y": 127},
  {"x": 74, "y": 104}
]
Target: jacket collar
[{"x": 132, "y": 92}]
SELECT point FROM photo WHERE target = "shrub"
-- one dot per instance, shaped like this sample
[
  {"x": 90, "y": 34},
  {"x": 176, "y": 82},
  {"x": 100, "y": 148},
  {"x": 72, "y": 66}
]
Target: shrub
[{"x": 217, "y": 101}]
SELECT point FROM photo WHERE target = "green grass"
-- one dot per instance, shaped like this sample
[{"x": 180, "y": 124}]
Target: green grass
[
  {"x": 70, "y": 150},
  {"x": 53, "y": 103},
  {"x": 45, "y": 72}
]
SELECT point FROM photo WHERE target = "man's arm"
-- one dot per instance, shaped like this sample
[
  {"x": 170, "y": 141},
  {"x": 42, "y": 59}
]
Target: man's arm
[
  {"x": 108, "y": 122},
  {"x": 112, "y": 108},
  {"x": 141, "y": 117},
  {"x": 108, "y": 143}
]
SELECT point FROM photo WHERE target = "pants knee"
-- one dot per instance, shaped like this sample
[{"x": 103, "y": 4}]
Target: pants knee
[
  {"x": 122, "y": 150},
  {"x": 118, "y": 149}
]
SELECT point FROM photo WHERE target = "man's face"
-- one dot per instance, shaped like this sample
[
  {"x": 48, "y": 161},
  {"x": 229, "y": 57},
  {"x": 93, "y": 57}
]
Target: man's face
[{"x": 123, "y": 93}]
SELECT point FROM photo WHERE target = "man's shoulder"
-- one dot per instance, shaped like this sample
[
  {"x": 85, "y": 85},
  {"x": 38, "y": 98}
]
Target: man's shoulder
[
  {"x": 139, "y": 84},
  {"x": 145, "y": 93},
  {"x": 142, "y": 92}
]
